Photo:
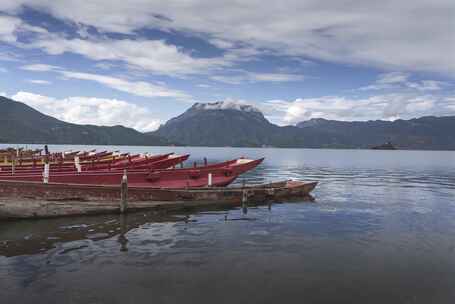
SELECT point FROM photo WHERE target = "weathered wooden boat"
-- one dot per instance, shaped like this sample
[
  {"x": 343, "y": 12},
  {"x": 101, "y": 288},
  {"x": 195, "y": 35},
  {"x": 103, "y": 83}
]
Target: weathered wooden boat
[
  {"x": 62, "y": 158},
  {"x": 161, "y": 161},
  {"x": 221, "y": 174},
  {"x": 35, "y": 200}
]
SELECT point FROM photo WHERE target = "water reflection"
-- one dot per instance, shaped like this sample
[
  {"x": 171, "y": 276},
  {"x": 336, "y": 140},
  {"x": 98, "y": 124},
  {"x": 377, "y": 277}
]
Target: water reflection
[
  {"x": 381, "y": 231},
  {"x": 38, "y": 236}
]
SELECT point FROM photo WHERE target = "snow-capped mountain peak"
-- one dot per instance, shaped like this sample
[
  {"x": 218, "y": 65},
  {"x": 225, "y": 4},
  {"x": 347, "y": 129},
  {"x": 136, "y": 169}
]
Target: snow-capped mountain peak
[{"x": 225, "y": 105}]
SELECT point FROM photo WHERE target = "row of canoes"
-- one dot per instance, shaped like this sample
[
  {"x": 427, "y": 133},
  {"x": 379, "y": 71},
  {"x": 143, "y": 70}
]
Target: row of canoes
[
  {"x": 95, "y": 182},
  {"x": 157, "y": 171}
]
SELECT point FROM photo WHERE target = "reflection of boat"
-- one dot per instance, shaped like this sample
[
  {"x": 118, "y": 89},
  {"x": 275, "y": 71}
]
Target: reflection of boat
[
  {"x": 23, "y": 238},
  {"x": 32, "y": 199}
]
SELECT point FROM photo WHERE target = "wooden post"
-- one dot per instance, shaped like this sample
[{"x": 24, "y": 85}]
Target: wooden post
[
  {"x": 245, "y": 201},
  {"x": 46, "y": 173},
  {"x": 210, "y": 180},
  {"x": 205, "y": 161},
  {"x": 46, "y": 165},
  {"x": 13, "y": 166},
  {"x": 123, "y": 230},
  {"x": 124, "y": 193},
  {"x": 77, "y": 164}
]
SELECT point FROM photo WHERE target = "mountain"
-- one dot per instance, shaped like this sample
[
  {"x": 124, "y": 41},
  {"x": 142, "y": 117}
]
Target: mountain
[
  {"x": 230, "y": 124},
  {"x": 233, "y": 124},
  {"x": 222, "y": 124},
  {"x": 20, "y": 123},
  {"x": 422, "y": 133}
]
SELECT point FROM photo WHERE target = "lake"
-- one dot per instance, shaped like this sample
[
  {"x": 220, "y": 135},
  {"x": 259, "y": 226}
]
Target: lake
[{"x": 381, "y": 230}]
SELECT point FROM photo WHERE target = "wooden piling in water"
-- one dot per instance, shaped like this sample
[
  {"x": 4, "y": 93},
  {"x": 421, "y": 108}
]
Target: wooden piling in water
[
  {"x": 124, "y": 193},
  {"x": 245, "y": 201}
]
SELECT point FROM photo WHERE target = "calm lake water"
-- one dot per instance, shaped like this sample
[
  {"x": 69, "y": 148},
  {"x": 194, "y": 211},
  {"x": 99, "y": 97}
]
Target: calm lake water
[{"x": 382, "y": 230}]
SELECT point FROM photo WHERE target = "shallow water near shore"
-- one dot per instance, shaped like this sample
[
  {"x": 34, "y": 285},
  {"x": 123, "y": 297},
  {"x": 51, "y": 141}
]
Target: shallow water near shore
[{"x": 381, "y": 230}]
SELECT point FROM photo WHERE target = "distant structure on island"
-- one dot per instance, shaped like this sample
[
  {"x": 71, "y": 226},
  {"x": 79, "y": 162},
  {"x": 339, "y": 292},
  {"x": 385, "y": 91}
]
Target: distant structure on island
[{"x": 387, "y": 146}]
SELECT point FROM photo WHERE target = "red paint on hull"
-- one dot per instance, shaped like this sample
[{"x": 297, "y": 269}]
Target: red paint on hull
[{"x": 222, "y": 175}]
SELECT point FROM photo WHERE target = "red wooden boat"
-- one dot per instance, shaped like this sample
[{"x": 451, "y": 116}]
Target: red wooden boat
[
  {"x": 162, "y": 161},
  {"x": 213, "y": 175},
  {"x": 35, "y": 200}
]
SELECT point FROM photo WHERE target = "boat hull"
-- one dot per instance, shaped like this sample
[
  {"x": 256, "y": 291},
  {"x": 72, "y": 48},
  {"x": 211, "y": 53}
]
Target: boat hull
[
  {"x": 221, "y": 175},
  {"x": 35, "y": 200}
]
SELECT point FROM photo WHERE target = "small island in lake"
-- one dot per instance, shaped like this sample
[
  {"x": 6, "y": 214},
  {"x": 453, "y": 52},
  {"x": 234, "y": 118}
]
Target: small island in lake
[{"x": 387, "y": 146}]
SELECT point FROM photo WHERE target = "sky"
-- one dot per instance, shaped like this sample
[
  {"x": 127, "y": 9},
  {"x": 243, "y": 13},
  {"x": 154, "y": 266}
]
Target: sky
[{"x": 139, "y": 63}]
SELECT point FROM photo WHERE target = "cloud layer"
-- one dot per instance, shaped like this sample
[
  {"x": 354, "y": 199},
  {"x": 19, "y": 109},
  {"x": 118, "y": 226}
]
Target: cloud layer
[
  {"x": 95, "y": 111},
  {"x": 386, "y": 106},
  {"x": 414, "y": 35}
]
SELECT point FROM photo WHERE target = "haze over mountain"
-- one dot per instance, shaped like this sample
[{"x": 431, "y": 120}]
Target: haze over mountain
[
  {"x": 229, "y": 124},
  {"x": 20, "y": 123}
]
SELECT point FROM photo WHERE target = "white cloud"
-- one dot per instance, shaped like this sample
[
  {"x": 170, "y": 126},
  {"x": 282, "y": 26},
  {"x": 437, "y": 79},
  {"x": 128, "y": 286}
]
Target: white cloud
[
  {"x": 386, "y": 81},
  {"x": 204, "y": 86},
  {"x": 39, "y": 81},
  {"x": 150, "y": 55},
  {"x": 11, "y": 27},
  {"x": 39, "y": 67},
  {"x": 96, "y": 111},
  {"x": 105, "y": 65},
  {"x": 8, "y": 27},
  {"x": 400, "y": 80},
  {"x": 243, "y": 77},
  {"x": 404, "y": 35},
  {"x": 387, "y": 106},
  {"x": 393, "y": 77},
  {"x": 274, "y": 77},
  {"x": 427, "y": 85},
  {"x": 138, "y": 88},
  {"x": 9, "y": 56}
]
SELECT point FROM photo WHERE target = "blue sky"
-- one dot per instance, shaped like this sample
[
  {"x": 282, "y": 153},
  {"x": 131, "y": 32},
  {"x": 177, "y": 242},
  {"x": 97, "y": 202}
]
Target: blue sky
[{"x": 139, "y": 63}]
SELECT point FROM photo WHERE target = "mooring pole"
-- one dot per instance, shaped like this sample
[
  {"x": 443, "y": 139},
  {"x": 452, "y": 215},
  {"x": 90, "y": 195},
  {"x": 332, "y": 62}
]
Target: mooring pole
[
  {"x": 77, "y": 164},
  {"x": 245, "y": 201},
  {"x": 210, "y": 180},
  {"x": 46, "y": 173},
  {"x": 46, "y": 165},
  {"x": 124, "y": 193},
  {"x": 123, "y": 230}
]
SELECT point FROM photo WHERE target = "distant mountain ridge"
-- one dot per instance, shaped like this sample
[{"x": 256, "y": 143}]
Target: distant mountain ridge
[
  {"x": 20, "y": 123},
  {"x": 424, "y": 133},
  {"x": 230, "y": 124}
]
